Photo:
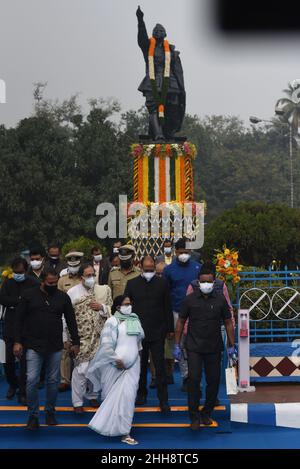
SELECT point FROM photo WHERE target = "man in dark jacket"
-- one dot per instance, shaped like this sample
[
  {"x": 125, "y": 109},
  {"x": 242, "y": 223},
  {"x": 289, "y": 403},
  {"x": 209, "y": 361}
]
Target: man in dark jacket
[
  {"x": 38, "y": 329},
  {"x": 101, "y": 266},
  {"x": 37, "y": 263},
  {"x": 53, "y": 259},
  {"x": 10, "y": 296},
  {"x": 151, "y": 301},
  {"x": 206, "y": 310}
]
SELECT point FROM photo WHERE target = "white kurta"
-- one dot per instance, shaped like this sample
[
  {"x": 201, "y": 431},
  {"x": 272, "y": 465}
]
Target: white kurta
[{"x": 119, "y": 387}]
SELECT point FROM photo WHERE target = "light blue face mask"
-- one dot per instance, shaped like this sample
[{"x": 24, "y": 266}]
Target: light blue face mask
[{"x": 19, "y": 277}]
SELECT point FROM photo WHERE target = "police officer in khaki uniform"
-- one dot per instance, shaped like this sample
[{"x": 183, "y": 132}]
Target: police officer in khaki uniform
[
  {"x": 69, "y": 278},
  {"x": 118, "y": 278}
]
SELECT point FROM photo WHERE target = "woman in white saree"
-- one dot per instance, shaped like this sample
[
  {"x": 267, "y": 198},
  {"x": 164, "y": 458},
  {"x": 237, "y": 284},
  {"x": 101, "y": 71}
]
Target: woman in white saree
[{"x": 115, "y": 370}]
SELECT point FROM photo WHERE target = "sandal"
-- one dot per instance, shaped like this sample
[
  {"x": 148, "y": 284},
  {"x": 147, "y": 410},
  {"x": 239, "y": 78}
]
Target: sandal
[{"x": 129, "y": 440}]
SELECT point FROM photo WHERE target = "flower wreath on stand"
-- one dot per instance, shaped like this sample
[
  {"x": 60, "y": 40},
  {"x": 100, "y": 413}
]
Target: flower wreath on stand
[{"x": 228, "y": 268}]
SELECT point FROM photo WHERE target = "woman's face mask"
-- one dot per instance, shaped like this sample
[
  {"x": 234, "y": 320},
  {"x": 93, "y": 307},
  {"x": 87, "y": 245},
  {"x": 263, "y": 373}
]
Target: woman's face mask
[{"x": 126, "y": 309}]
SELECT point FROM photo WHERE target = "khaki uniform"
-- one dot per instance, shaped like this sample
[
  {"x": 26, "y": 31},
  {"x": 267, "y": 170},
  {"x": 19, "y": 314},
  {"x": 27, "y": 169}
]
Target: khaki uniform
[
  {"x": 64, "y": 284},
  {"x": 117, "y": 280},
  {"x": 67, "y": 281}
]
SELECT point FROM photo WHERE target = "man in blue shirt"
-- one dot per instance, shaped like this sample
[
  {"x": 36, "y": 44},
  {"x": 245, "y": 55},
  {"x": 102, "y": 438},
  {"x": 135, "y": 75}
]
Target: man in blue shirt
[{"x": 179, "y": 275}]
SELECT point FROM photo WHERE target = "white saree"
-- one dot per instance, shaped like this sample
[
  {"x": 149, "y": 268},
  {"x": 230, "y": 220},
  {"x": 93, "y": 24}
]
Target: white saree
[{"x": 118, "y": 387}]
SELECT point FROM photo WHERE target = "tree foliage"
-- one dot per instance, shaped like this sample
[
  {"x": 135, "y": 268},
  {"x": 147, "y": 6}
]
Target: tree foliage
[
  {"x": 58, "y": 164},
  {"x": 260, "y": 232}
]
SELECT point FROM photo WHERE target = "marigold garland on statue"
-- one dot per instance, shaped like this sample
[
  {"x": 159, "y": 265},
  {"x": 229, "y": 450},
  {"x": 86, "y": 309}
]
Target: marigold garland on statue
[{"x": 160, "y": 98}]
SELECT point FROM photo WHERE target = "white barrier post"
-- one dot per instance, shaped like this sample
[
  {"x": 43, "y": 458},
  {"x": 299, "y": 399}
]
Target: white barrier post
[{"x": 244, "y": 351}]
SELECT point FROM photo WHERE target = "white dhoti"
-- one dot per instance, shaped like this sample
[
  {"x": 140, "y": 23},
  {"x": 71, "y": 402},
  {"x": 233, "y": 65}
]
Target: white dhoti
[{"x": 81, "y": 388}]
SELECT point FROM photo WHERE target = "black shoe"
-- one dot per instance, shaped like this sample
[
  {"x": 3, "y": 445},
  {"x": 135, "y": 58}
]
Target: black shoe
[
  {"x": 22, "y": 399},
  {"x": 140, "y": 400},
  {"x": 153, "y": 383},
  {"x": 184, "y": 387},
  {"x": 50, "y": 418},
  {"x": 205, "y": 418},
  {"x": 11, "y": 392},
  {"x": 165, "y": 408},
  {"x": 33, "y": 423},
  {"x": 195, "y": 425},
  {"x": 217, "y": 403},
  {"x": 170, "y": 379}
]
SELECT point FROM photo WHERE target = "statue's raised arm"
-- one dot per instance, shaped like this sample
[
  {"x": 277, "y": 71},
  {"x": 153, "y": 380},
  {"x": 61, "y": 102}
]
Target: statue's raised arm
[
  {"x": 163, "y": 85},
  {"x": 143, "y": 40}
]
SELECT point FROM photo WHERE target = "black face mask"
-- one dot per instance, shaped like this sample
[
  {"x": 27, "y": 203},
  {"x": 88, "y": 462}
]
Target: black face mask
[
  {"x": 126, "y": 264},
  {"x": 50, "y": 289}
]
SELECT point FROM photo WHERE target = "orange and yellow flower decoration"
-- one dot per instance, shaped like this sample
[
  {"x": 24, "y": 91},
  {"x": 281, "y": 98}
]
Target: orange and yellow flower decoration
[
  {"x": 5, "y": 274},
  {"x": 227, "y": 266}
]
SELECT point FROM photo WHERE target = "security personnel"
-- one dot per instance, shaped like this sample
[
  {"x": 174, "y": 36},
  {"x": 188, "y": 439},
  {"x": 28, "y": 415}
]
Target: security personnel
[
  {"x": 69, "y": 278},
  {"x": 206, "y": 309},
  {"x": 118, "y": 278}
]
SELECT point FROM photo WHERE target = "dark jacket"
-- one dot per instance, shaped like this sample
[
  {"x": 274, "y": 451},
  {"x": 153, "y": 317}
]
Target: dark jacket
[
  {"x": 58, "y": 266},
  {"x": 32, "y": 275},
  {"x": 10, "y": 296},
  {"x": 205, "y": 315},
  {"x": 152, "y": 303},
  {"x": 38, "y": 324}
]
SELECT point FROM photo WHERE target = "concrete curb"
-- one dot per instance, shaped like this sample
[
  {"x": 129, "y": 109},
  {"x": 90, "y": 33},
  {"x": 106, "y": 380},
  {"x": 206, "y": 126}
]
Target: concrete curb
[{"x": 280, "y": 415}]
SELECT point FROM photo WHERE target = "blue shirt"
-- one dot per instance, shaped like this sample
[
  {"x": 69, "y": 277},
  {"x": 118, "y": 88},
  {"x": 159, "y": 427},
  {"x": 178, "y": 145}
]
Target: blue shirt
[{"x": 179, "y": 276}]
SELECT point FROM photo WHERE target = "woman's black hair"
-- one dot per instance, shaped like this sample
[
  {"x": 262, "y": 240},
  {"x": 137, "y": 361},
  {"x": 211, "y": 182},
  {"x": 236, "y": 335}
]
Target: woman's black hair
[{"x": 118, "y": 302}]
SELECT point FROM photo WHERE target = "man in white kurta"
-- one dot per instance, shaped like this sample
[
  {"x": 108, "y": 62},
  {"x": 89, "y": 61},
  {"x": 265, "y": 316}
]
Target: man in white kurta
[{"x": 92, "y": 305}]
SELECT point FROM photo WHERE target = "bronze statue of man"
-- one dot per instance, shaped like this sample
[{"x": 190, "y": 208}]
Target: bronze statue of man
[{"x": 163, "y": 85}]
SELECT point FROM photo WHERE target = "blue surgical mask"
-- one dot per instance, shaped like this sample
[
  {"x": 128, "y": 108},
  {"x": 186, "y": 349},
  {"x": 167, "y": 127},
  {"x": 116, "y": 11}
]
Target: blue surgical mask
[{"x": 19, "y": 277}]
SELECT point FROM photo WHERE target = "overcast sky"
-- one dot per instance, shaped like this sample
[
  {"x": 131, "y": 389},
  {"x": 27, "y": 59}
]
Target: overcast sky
[{"x": 89, "y": 47}]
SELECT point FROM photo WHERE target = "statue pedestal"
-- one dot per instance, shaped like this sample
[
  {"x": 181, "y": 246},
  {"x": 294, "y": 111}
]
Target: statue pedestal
[
  {"x": 163, "y": 172},
  {"x": 163, "y": 188}
]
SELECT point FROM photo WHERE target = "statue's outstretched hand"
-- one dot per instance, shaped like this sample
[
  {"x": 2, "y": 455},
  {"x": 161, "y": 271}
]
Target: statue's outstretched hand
[{"x": 139, "y": 13}]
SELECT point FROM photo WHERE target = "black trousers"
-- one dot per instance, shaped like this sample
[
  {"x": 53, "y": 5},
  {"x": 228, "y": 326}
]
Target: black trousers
[
  {"x": 157, "y": 349},
  {"x": 212, "y": 368},
  {"x": 10, "y": 368}
]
